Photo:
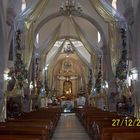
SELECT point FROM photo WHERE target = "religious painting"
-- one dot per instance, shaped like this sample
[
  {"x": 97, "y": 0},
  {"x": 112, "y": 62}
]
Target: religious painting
[{"x": 67, "y": 65}]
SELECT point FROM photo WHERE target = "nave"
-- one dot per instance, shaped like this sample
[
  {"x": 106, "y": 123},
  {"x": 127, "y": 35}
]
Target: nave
[
  {"x": 78, "y": 56},
  {"x": 69, "y": 128},
  {"x": 43, "y": 124},
  {"x": 87, "y": 123}
]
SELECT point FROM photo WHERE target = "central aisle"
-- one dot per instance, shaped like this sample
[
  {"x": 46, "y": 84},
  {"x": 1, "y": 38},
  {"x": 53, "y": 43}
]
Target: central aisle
[{"x": 69, "y": 128}]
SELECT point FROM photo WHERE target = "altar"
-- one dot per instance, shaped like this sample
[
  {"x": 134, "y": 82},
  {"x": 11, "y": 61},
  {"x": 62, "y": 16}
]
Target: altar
[{"x": 67, "y": 106}]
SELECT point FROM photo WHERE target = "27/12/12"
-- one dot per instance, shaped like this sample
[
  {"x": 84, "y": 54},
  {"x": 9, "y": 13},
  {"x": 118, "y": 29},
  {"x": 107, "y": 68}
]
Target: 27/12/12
[{"x": 126, "y": 122}]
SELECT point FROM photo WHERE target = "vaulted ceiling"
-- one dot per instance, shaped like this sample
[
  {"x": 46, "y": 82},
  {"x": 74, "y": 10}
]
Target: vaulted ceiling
[{"x": 53, "y": 27}]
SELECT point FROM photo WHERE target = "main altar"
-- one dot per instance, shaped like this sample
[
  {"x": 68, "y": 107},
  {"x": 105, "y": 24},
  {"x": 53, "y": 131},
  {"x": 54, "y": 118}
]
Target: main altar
[{"x": 67, "y": 106}]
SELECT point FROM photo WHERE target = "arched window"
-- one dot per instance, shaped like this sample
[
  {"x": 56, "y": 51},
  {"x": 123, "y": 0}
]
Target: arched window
[
  {"x": 37, "y": 38},
  {"x": 99, "y": 37},
  {"x": 114, "y": 4},
  {"x": 23, "y": 6}
]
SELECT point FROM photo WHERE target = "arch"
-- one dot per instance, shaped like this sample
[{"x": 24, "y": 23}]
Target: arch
[{"x": 84, "y": 60}]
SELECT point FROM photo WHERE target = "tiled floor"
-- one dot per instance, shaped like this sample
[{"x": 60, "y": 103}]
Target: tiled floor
[{"x": 69, "y": 128}]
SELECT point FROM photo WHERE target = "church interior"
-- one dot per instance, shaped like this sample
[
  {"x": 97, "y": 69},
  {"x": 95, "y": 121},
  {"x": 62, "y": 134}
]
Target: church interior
[{"x": 69, "y": 69}]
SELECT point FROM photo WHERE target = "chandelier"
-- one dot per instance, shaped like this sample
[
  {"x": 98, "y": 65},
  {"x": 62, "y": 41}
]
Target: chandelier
[{"x": 70, "y": 7}]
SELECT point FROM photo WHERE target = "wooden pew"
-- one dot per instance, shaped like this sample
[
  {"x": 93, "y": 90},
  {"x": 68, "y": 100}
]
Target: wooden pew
[
  {"x": 27, "y": 131},
  {"x": 105, "y": 131},
  {"x": 46, "y": 124},
  {"x": 52, "y": 114},
  {"x": 126, "y": 136},
  {"x": 40, "y": 123},
  {"x": 99, "y": 123},
  {"x": 19, "y": 137}
]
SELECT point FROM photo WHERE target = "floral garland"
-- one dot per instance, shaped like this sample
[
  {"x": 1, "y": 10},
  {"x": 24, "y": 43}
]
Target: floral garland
[
  {"x": 20, "y": 71},
  {"x": 90, "y": 81},
  {"x": 121, "y": 68},
  {"x": 99, "y": 79},
  {"x": 37, "y": 77}
]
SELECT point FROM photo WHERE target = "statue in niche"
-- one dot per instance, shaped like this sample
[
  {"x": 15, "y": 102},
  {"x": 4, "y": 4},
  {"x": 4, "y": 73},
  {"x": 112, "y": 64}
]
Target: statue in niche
[{"x": 67, "y": 88}]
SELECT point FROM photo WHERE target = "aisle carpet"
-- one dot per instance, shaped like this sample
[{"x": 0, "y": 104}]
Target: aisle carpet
[{"x": 69, "y": 128}]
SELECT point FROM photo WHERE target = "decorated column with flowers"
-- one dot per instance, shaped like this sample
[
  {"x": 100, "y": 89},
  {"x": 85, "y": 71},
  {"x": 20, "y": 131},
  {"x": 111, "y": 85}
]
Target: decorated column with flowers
[
  {"x": 99, "y": 77},
  {"x": 37, "y": 76},
  {"x": 90, "y": 81},
  {"x": 122, "y": 66},
  {"x": 20, "y": 70},
  {"x": 100, "y": 97}
]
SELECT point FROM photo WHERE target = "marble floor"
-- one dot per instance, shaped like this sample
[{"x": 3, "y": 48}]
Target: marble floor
[{"x": 69, "y": 128}]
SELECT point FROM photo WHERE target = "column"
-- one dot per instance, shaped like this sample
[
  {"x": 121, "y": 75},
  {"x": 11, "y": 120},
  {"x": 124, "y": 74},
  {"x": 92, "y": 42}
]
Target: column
[
  {"x": 2, "y": 61},
  {"x": 136, "y": 58}
]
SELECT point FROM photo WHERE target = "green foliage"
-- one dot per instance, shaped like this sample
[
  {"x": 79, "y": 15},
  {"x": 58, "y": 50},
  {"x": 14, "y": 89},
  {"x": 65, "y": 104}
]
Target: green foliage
[
  {"x": 99, "y": 79},
  {"x": 121, "y": 68},
  {"x": 20, "y": 70}
]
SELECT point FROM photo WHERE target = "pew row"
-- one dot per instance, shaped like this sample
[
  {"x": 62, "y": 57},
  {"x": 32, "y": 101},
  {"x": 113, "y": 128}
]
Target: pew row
[
  {"x": 36, "y": 125},
  {"x": 100, "y": 126}
]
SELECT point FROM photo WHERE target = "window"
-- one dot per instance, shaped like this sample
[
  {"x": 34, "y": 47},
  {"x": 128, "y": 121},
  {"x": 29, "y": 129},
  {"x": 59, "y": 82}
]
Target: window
[
  {"x": 37, "y": 38},
  {"x": 114, "y": 4},
  {"x": 23, "y": 6},
  {"x": 99, "y": 37}
]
